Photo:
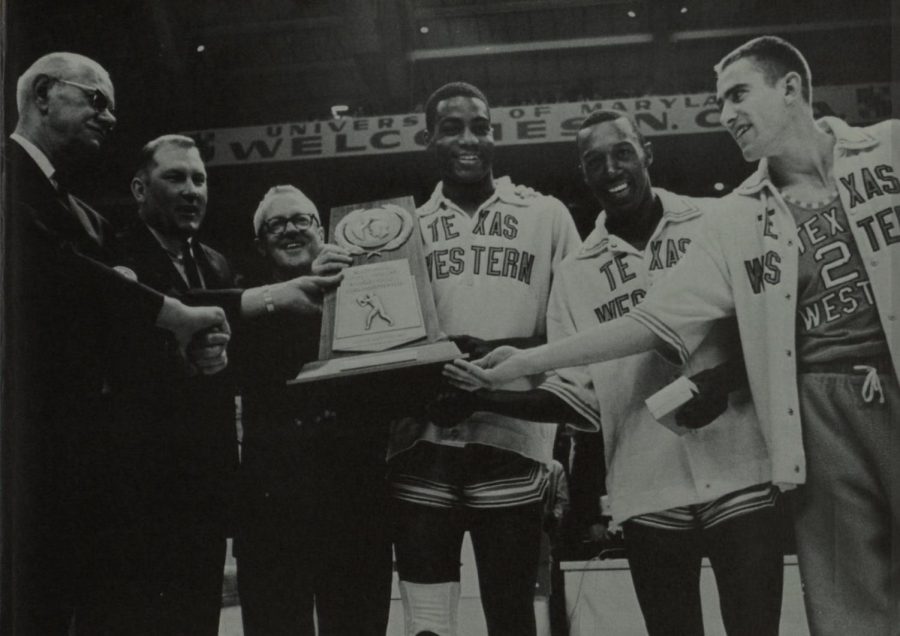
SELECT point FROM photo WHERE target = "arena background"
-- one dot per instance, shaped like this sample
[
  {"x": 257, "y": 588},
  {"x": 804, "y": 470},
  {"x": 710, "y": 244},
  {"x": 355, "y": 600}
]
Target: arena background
[
  {"x": 250, "y": 77},
  {"x": 205, "y": 65}
]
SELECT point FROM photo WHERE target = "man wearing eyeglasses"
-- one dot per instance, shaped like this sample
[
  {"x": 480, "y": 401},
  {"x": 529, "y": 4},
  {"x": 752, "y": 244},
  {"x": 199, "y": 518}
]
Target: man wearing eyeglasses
[
  {"x": 290, "y": 237},
  {"x": 312, "y": 530},
  {"x": 61, "y": 304}
]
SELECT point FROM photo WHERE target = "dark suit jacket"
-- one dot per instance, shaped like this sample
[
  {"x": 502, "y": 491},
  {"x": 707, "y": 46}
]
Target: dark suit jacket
[
  {"x": 60, "y": 305},
  {"x": 59, "y": 293},
  {"x": 176, "y": 433},
  {"x": 305, "y": 481}
]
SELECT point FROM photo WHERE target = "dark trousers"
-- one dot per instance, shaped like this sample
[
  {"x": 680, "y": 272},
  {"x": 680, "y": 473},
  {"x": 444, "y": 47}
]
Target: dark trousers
[
  {"x": 506, "y": 542},
  {"x": 559, "y": 614},
  {"x": 50, "y": 503},
  {"x": 746, "y": 558},
  {"x": 161, "y": 579},
  {"x": 155, "y": 552},
  {"x": 41, "y": 598},
  {"x": 346, "y": 578},
  {"x": 323, "y": 544}
]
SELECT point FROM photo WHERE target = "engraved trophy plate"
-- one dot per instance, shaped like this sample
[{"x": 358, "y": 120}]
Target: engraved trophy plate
[{"x": 377, "y": 308}]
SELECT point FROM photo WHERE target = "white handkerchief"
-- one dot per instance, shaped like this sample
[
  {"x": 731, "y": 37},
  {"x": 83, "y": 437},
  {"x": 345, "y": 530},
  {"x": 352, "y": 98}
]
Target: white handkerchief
[{"x": 664, "y": 403}]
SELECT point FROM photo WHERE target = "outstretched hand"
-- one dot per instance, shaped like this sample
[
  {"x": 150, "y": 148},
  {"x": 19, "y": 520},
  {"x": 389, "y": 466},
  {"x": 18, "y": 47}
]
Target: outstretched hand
[
  {"x": 492, "y": 371},
  {"x": 302, "y": 295}
]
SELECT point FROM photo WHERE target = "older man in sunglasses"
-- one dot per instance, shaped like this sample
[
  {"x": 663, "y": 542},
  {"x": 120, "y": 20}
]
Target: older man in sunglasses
[{"x": 61, "y": 302}]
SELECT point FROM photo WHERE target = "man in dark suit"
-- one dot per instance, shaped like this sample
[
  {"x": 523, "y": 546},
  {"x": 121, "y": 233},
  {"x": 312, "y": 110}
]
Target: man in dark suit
[
  {"x": 177, "y": 452},
  {"x": 61, "y": 303}
]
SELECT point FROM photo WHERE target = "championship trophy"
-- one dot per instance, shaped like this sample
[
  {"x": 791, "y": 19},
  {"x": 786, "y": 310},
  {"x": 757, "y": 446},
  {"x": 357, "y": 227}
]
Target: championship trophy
[{"x": 381, "y": 319}]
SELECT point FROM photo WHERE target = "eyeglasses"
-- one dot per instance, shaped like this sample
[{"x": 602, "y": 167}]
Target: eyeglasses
[
  {"x": 96, "y": 98},
  {"x": 278, "y": 224}
]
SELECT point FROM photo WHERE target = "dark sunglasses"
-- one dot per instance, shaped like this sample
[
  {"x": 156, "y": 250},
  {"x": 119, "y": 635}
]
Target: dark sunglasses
[{"x": 96, "y": 98}]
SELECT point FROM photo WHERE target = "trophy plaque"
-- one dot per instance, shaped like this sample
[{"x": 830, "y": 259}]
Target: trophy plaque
[{"x": 381, "y": 318}]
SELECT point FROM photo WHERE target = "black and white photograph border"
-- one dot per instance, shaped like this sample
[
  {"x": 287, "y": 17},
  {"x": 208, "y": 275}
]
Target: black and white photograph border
[{"x": 330, "y": 96}]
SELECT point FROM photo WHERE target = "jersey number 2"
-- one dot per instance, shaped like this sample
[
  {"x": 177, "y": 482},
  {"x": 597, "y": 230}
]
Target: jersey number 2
[{"x": 829, "y": 276}]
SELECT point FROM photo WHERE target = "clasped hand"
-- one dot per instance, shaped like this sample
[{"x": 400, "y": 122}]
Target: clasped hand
[
  {"x": 207, "y": 353},
  {"x": 201, "y": 333}
]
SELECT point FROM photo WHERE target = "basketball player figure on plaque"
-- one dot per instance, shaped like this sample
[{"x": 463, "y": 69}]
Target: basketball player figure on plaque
[{"x": 382, "y": 316}]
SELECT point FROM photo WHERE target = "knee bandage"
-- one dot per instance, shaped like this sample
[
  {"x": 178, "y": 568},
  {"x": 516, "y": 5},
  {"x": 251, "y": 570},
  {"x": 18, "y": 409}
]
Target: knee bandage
[{"x": 430, "y": 608}]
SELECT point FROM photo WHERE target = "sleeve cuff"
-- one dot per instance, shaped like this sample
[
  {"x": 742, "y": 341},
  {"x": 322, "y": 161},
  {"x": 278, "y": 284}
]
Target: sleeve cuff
[
  {"x": 663, "y": 331},
  {"x": 580, "y": 406}
]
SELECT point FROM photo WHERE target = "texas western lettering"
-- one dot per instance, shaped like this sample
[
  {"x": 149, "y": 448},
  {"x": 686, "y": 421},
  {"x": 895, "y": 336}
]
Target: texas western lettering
[
  {"x": 763, "y": 270},
  {"x": 812, "y": 233},
  {"x": 843, "y": 301},
  {"x": 665, "y": 254},
  {"x": 506, "y": 261},
  {"x": 619, "y": 305},
  {"x": 882, "y": 228},
  {"x": 865, "y": 183},
  {"x": 616, "y": 273},
  {"x": 494, "y": 260},
  {"x": 846, "y": 289},
  {"x": 827, "y": 237}
]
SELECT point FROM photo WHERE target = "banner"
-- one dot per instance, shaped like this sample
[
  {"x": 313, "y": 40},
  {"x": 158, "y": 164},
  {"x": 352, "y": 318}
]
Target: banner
[{"x": 533, "y": 124}]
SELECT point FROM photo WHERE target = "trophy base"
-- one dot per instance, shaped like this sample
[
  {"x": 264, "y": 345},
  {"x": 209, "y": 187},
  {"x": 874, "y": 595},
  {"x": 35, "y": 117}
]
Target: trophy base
[{"x": 423, "y": 359}]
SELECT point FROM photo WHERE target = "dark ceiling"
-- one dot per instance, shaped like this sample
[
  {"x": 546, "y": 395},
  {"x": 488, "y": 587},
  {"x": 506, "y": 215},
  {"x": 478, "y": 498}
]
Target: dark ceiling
[{"x": 211, "y": 63}]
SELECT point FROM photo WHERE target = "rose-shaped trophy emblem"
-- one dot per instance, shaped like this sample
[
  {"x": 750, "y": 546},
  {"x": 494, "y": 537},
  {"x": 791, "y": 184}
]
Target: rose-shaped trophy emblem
[{"x": 371, "y": 231}]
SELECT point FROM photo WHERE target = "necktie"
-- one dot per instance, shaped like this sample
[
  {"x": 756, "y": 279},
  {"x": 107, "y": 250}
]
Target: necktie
[
  {"x": 77, "y": 211},
  {"x": 190, "y": 267}
]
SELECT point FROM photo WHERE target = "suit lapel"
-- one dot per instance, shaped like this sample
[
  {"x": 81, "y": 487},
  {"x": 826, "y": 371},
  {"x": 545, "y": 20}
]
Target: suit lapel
[
  {"x": 213, "y": 275},
  {"x": 64, "y": 217},
  {"x": 153, "y": 265},
  {"x": 87, "y": 222}
]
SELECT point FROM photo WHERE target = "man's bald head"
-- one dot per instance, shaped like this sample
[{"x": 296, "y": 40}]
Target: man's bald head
[
  {"x": 65, "y": 103},
  {"x": 61, "y": 65}
]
